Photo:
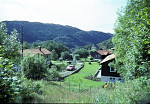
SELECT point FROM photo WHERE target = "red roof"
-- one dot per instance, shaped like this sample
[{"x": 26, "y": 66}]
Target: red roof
[
  {"x": 43, "y": 51},
  {"x": 104, "y": 52}
]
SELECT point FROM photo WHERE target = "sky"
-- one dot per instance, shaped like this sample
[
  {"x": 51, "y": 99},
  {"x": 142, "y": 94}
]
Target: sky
[{"x": 99, "y": 15}]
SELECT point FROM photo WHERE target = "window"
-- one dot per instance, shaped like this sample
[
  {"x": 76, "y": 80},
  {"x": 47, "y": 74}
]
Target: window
[{"x": 112, "y": 69}]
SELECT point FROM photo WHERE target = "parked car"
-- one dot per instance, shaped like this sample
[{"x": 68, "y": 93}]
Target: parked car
[{"x": 70, "y": 67}]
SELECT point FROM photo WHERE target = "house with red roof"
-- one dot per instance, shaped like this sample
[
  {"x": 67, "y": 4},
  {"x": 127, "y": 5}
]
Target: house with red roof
[
  {"x": 41, "y": 51},
  {"x": 100, "y": 54}
]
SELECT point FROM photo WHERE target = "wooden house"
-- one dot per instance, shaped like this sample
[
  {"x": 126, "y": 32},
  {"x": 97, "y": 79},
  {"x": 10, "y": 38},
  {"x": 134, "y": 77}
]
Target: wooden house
[
  {"x": 100, "y": 54},
  {"x": 107, "y": 72},
  {"x": 41, "y": 51}
]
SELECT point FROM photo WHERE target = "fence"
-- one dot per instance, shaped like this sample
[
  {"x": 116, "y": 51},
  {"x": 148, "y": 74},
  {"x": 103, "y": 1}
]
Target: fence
[{"x": 78, "y": 87}]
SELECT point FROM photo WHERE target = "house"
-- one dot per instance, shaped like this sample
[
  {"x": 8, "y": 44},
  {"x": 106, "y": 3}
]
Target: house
[
  {"x": 100, "y": 54},
  {"x": 41, "y": 51},
  {"x": 107, "y": 72}
]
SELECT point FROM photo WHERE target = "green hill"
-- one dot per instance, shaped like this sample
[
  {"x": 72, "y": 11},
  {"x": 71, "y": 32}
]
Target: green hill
[{"x": 67, "y": 35}]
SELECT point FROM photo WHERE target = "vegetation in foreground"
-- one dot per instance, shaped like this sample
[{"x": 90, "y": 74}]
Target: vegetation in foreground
[{"x": 132, "y": 44}]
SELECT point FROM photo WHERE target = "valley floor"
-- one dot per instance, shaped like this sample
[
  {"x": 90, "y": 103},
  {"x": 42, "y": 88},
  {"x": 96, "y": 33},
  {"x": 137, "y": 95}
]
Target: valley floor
[{"x": 74, "y": 89}]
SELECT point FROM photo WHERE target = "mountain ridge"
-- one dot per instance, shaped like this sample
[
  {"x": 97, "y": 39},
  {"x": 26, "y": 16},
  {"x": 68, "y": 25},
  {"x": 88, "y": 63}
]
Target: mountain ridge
[{"x": 67, "y": 35}]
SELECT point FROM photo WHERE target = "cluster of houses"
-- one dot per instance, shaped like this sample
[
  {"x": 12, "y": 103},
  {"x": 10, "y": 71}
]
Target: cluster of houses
[{"x": 106, "y": 72}]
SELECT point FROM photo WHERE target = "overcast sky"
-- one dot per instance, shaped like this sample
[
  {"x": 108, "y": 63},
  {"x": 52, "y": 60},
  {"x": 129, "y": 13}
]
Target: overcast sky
[{"x": 87, "y": 15}]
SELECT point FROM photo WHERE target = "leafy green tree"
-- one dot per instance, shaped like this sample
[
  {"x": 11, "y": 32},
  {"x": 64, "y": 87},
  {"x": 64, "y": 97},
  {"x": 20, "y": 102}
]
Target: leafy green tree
[
  {"x": 58, "y": 47},
  {"x": 10, "y": 43},
  {"x": 3, "y": 32},
  {"x": 26, "y": 45},
  {"x": 35, "y": 45},
  {"x": 34, "y": 67},
  {"x": 132, "y": 39},
  {"x": 83, "y": 53},
  {"x": 9, "y": 81},
  {"x": 107, "y": 44},
  {"x": 65, "y": 55},
  {"x": 54, "y": 55}
]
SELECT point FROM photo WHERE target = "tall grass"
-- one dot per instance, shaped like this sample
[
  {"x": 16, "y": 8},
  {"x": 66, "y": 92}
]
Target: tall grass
[
  {"x": 135, "y": 91},
  {"x": 53, "y": 93}
]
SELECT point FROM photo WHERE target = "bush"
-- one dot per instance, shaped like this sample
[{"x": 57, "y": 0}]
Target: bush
[
  {"x": 132, "y": 92},
  {"x": 52, "y": 73},
  {"x": 61, "y": 66},
  {"x": 9, "y": 82},
  {"x": 34, "y": 67},
  {"x": 29, "y": 92}
]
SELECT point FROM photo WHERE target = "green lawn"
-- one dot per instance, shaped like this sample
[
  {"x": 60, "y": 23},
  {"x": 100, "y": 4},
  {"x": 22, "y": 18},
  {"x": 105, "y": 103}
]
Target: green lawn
[
  {"x": 74, "y": 89},
  {"x": 79, "y": 79},
  {"x": 87, "y": 70}
]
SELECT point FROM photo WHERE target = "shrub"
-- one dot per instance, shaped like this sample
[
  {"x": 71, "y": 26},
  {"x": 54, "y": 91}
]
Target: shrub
[
  {"x": 34, "y": 67},
  {"x": 132, "y": 92},
  {"x": 52, "y": 73},
  {"x": 29, "y": 92},
  {"x": 9, "y": 82}
]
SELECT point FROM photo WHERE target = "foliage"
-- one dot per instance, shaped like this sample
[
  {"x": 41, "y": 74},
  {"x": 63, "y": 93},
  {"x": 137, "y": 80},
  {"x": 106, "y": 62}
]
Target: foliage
[
  {"x": 135, "y": 91},
  {"x": 9, "y": 81},
  {"x": 61, "y": 66},
  {"x": 83, "y": 53},
  {"x": 107, "y": 44},
  {"x": 54, "y": 55},
  {"x": 34, "y": 67},
  {"x": 52, "y": 73},
  {"x": 132, "y": 39},
  {"x": 10, "y": 43},
  {"x": 58, "y": 47},
  {"x": 66, "y": 55},
  {"x": 67, "y": 35},
  {"x": 3, "y": 32},
  {"x": 76, "y": 57},
  {"x": 28, "y": 92},
  {"x": 26, "y": 45}
]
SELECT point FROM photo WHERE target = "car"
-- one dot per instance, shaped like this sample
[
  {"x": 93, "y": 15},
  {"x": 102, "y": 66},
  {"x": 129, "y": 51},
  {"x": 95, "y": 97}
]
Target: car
[{"x": 70, "y": 67}]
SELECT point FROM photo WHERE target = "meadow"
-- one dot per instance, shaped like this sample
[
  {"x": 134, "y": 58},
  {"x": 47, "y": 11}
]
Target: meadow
[{"x": 74, "y": 89}]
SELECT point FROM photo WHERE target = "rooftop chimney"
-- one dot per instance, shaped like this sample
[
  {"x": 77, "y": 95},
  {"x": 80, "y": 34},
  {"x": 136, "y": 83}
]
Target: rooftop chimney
[{"x": 40, "y": 48}]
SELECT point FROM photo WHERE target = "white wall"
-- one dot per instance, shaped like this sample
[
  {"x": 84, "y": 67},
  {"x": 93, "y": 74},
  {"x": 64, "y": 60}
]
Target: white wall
[{"x": 111, "y": 79}]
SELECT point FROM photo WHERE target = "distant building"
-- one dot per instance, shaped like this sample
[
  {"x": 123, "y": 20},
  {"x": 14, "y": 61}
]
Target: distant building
[
  {"x": 107, "y": 72},
  {"x": 100, "y": 54},
  {"x": 41, "y": 51}
]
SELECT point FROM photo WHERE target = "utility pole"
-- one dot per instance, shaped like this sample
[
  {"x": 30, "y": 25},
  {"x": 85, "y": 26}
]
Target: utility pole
[{"x": 22, "y": 38}]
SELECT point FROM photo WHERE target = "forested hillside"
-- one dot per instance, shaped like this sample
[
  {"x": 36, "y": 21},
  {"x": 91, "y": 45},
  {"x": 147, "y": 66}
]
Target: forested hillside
[{"x": 70, "y": 36}]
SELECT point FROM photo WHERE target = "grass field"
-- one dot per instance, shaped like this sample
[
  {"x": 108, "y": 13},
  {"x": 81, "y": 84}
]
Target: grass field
[
  {"x": 74, "y": 89},
  {"x": 87, "y": 70},
  {"x": 78, "y": 80}
]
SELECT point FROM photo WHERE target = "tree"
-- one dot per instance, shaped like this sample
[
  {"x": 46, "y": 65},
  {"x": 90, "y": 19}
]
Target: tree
[
  {"x": 83, "y": 53},
  {"x": 107, "y": 44},
  {"x": 11, "y": 44},
  {"x": 65, "y": 55},
  {"x": 3, "y": 32},
  {"x": 26, "y": 45},
  {"x": 34, "y": 67},
  {"x": 132, "y": 39},
  {"x": 58, "y": 47},
  {"x": 54, "y": 55},
  {"x": 9, "y": 81}
]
